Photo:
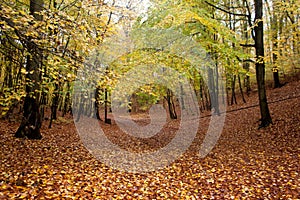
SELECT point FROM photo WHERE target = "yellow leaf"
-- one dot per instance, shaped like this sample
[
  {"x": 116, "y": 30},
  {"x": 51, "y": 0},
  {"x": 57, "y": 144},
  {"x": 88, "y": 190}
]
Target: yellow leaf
[
  {"x": 22, "y": 12},
  {"x": 23, "y": 71}
]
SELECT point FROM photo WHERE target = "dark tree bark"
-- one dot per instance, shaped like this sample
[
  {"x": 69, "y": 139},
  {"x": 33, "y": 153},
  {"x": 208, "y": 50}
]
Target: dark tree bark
[
  {"x": 97, "y": 102},
  {"x": 182, "y": 97},
  {"x": 277, "y": 83},
  {"x": 260, "y": 65},
  {"x": 202, "y": 94},
  {"x": 241, "y": 89},
  {"x": 106, "y": 119},
  {"x": 276, "y": 79},
  {"x": 207, "y": 99},
  {"x": 80, "y": 107},
  {"x": 54, "y": 106},
  {"x": 67, "y": 102},
  {"x": 213, "y": 90},
  {"x": 171, "y": 105},
  {"x": 32, "y": 121},
  {"x": 247, "y": 79},
  {"x": 233, "y": 97}
]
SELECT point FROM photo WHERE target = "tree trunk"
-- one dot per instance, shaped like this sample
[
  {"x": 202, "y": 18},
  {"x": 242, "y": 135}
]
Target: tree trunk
[
  {"x": 246, "y": 65},
  {"x": 247, "y": 79},
  {"x": 277, "y": 83},
  {"x": 233, "y": 97},
  {"x": 260, "y": 65},
  {"x": 241, "y": 88},
  {"x": 171, "y": 105},
  {"x": 274, "y": 27},
  {"x": 97, "y": 102},
  {"x": 106, "y": 119},
  {"x": 32, "y": 121},
  {"x": 67, "y": 101},
  {"x": 202, "y": 93},
  {"x": 213, "y": 91},
  {"x": 55, "y": 101}
]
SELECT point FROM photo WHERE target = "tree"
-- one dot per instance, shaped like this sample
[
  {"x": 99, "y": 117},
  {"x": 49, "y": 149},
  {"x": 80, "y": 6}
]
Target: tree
[
  {"x": 258, "y": 36},
  {"x": 260, "y": 65},
  {"x": 274, "y": 27},
  {"x": 32, "y": 121},
  {"x": 198, "y": 21},
  {"x": 283, "y": 38},
  {"x": 41, "y": 51},
  {"x": 274, "y": 32}
]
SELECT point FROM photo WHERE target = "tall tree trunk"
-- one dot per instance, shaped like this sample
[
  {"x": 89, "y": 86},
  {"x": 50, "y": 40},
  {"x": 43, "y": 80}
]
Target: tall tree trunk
[
  {"x": 171, "y": 104},
  {"x": 277, "y": 83},
  {"x": 216, "y": 103},
  {"x": 97, "y": 102},
  {"x": 213, "y": 90},
  {"x": 260, "y": 65},
  {"x": 202, "y": 93},
  {"x": 32, "y": 121},
  {"x": 55, "y": 101},
  {"x": 247, "y": 84},
  {"x": 274, "y": 27},
  {"x": 106, "y": 119},
  {"x": 241, "y": 88},
  {"x": 246, "y": 65},
  {"x": 233, "y": 97},
  {"x": 67, "y": 102}
]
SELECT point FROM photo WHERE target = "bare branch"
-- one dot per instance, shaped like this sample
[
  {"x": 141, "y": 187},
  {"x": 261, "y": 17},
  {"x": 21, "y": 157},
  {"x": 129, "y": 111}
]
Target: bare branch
[
  {"x": 227, "y": 11},
  {"x": 247, "y": 45},
  {"x": 245, "y": 60},
  {"x": 289, "y": 16},
  {"x": 249, "y": 18}
]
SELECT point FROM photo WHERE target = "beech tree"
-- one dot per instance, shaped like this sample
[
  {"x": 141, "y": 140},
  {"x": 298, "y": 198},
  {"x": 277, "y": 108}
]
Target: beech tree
[
  {"x": 32, "y": 121},
  {"x": 260, "y": 64}
]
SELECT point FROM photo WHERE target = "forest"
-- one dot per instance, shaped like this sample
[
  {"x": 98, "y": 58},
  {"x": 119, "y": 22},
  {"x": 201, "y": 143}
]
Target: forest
[{"x": 147, "y": 99}]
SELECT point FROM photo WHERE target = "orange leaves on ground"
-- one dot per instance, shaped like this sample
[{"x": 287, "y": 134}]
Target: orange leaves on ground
[{"x": 246, "y": 163}]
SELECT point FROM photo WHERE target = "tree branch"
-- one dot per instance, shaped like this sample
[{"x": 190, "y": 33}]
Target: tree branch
[
  {"x": 289, "y": 16},
  {"x": 247, "y": 45},
  {"x": 249, "y": 18},
  {"x": 245, "y": 60},
  {"x": 226, "y": 11}
]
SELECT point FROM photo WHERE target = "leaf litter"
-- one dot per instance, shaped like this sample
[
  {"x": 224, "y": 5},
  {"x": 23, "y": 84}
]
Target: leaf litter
[{"x": 246, "y": 163}]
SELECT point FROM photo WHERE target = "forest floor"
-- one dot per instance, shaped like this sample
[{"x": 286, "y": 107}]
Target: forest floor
[{"x": 246, "y": 163}]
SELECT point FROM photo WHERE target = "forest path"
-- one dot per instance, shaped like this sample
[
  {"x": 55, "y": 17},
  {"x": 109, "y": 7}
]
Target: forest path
[{"x": 246, "y": 163}]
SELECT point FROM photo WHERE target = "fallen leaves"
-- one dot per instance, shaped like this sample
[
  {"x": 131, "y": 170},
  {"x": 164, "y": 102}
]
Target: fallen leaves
[{"x": 245, "y": 164}]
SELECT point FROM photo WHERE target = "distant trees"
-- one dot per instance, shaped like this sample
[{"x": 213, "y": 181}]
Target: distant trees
[
  {"x": 274, "y": 40},
  {"x": 282, "y": 37},
  {"x": 197, "y": 26}
]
